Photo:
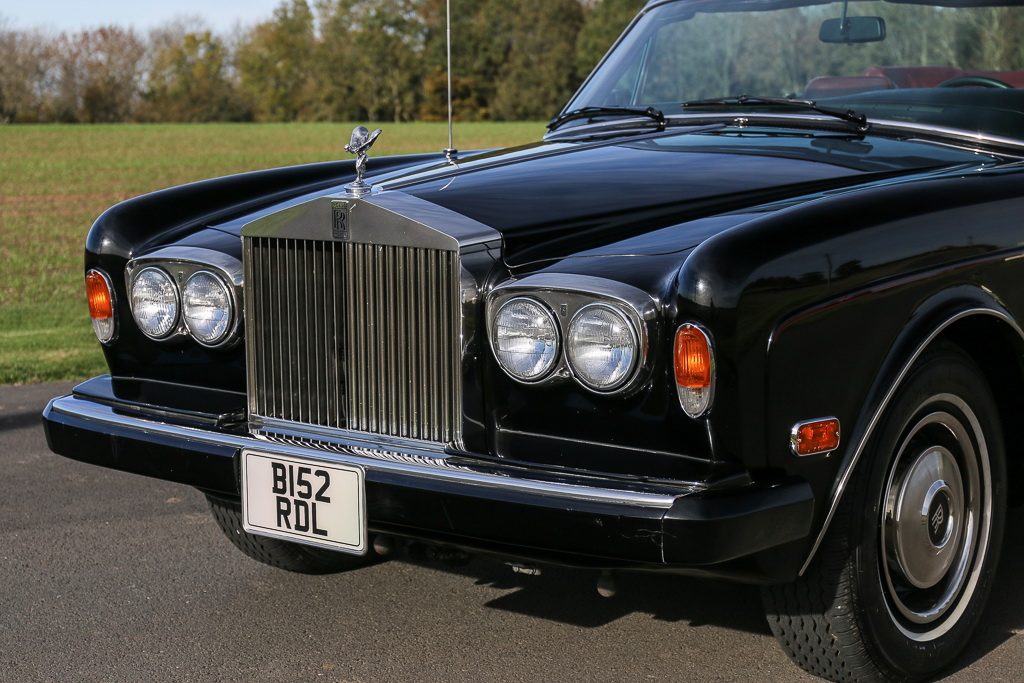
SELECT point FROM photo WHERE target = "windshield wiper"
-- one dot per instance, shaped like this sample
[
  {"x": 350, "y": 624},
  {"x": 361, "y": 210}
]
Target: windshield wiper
[
  {"x": 860, "y": 120},
  {"x": 593, "y": 112}
]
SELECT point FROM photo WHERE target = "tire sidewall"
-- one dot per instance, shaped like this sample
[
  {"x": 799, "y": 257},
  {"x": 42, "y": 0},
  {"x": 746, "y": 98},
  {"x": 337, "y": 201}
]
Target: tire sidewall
[{"x": 946, "y": 371}]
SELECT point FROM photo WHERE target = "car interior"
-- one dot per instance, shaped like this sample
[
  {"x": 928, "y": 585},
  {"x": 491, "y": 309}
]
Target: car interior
[{"x": 944, "y": 96}]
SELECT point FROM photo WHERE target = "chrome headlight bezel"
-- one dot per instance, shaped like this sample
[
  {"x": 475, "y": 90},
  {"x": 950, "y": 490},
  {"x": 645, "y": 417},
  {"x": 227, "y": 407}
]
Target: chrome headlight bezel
[
  {"x": 181, "y": 264},
  {"x": 566, "y": 295}
]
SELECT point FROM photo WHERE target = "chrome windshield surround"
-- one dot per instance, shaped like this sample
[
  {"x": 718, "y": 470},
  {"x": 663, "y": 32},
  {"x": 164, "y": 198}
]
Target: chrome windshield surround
[
  {"x": 566, "y": 295},
  {"x": 748, "y": 118},
  {"x": 365, "y": 245},
  {"x": 181, "y": 263}
]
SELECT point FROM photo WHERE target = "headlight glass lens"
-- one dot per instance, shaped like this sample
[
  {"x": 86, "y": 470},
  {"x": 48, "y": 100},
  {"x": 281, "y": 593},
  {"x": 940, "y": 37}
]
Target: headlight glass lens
[
  {"x": 155, "y": 303},
  {"x": 206, "y": 305},
  {"x": 602, "y": 347},
  {"x": 525, "y": 339}
]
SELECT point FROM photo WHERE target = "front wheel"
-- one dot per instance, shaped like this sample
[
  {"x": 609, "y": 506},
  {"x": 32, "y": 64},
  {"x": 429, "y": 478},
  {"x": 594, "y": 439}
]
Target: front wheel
[{"x": 904, "y": 573}]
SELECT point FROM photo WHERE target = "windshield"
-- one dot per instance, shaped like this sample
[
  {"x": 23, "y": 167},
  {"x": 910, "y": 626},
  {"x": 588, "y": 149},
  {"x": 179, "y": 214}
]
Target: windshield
[{"x": 950, "y": 64}]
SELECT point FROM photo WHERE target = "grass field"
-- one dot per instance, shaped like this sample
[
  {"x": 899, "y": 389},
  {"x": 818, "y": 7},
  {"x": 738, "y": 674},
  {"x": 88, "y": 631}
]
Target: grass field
[{"x": 55, "y": 180}]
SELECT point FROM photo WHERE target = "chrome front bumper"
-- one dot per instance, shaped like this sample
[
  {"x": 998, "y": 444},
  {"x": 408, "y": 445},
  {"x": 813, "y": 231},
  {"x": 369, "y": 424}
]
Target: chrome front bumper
[{"x": 470, "y": 503}]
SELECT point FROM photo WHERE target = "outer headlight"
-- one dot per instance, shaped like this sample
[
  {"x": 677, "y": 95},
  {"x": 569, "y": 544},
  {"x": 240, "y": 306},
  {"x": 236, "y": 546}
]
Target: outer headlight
[
  {"x": 602, "y": 347},
  {"x": 207, "y": 308},
  {"x": 524, "y": 336},
  {"x": 154, "y": 303}
]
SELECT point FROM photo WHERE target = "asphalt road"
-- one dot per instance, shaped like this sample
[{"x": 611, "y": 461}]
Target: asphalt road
[{"x": 112, "y": 577}]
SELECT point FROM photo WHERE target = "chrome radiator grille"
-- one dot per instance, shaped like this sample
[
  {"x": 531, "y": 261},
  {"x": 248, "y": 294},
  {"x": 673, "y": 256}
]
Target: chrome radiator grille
[{"x": 356, "y": 337}]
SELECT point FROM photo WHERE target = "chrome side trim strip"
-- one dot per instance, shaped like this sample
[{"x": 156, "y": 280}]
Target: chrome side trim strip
[
  {"x": 435, "y": 469},
  {"x": 847, "y": 472}
]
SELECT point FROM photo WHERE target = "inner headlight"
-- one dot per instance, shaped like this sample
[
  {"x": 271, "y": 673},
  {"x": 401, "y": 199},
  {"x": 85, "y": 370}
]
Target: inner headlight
[
  {"x": 602, "y": 347},
  {"x": 207, "y": 308},
  {"x": 525, "y": 339},
  {"x": 154, "y": 303}
]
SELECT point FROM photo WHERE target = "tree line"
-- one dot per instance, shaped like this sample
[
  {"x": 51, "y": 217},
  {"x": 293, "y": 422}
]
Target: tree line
[{"x": 325, "y": 60}]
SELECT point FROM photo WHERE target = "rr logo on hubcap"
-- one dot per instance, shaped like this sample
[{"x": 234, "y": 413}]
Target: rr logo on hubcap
[{"x": 938, "y": 520}]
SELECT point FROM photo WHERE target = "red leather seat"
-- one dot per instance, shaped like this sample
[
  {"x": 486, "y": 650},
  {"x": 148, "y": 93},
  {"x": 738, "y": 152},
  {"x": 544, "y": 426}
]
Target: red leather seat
[
  {"x": 915, "y": 76},
  {"x": 839, "y": 86}
]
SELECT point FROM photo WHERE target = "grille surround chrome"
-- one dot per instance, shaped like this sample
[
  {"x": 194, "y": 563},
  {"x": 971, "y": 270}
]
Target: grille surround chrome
[{"x": 342, "y": 351}]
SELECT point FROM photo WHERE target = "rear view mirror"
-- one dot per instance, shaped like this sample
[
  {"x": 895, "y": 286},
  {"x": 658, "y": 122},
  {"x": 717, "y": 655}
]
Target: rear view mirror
[{"x": 853, "y": 30}]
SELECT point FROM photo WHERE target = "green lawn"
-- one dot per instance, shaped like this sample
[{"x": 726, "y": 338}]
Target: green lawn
[{"x": 55, "y": 180}]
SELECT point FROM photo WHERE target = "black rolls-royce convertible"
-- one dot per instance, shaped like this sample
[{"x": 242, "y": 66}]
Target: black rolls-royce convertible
[{"x": 750, "y": 309}]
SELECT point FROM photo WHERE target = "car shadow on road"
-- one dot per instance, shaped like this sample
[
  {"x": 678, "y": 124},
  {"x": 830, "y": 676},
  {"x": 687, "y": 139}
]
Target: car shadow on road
[
  {"x": 570, "y": 596},
  {"x": 20, "y": 420}
]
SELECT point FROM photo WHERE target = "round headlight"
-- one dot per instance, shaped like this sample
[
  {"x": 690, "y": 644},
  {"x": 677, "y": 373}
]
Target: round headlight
[
  {"x": 602, "y": 347},
  {"x": 206, "y": 307},
  {"x": 155, "y": 303},
  {"x": 525, "y": 339}
]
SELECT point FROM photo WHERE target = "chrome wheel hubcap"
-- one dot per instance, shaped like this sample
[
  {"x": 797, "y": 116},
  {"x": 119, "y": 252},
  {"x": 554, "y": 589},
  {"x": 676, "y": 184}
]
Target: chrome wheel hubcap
[
  {"x": 927, "y": 516},
  {"x": 935, "y": 521}
]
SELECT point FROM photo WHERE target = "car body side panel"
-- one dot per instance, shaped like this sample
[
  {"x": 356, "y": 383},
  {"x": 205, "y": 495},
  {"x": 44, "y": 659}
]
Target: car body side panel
[{"x": 816, "y": 307}]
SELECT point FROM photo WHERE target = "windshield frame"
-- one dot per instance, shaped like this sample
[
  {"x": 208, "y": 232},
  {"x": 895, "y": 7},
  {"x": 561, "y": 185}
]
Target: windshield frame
[{"x": 964, "y": 137}]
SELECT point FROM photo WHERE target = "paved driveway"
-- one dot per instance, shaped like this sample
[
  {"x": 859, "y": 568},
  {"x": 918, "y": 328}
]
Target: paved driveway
[{"x": 108, "y": 576}]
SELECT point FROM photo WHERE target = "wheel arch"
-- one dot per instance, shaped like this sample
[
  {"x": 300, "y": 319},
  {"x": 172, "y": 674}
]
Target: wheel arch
[{"x": 975, "y": 320}]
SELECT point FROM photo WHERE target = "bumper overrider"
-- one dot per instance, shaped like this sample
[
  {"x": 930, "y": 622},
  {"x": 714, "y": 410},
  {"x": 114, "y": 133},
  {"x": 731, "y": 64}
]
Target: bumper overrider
[{"x": 472, "y": 504}]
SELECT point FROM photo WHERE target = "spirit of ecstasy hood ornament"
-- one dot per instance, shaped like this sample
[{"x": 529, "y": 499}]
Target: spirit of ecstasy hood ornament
[{"x": 360, "y": 144}]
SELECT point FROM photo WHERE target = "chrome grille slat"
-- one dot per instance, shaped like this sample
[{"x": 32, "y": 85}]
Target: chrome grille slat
[{"x": 353, "y": 336}]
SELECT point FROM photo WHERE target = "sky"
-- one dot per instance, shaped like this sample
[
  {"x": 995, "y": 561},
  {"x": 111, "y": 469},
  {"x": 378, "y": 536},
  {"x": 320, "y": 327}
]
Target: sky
[{"x": 141, "y": 14}]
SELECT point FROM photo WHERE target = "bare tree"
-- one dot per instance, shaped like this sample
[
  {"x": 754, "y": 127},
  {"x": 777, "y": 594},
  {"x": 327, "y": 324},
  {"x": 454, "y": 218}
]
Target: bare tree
[
  {"x": 99, "y": 75},
  {"x": 26, "y": 66}
]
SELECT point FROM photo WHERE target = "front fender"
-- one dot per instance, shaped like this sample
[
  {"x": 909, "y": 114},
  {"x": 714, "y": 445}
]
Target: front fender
[{"x": 862, "y": 399}]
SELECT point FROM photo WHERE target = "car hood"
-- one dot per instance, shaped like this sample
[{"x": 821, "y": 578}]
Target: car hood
[
  {"x": 651, "y": 193},
  {"x": 556, "y": 199}
]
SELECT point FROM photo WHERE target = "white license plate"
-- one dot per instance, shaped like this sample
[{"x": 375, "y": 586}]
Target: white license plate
[{"x": 304, "y": 501}]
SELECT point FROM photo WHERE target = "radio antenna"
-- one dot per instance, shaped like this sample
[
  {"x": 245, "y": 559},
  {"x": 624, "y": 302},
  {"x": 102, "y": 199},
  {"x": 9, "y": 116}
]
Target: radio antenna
[{"x": 450, "y": 152}]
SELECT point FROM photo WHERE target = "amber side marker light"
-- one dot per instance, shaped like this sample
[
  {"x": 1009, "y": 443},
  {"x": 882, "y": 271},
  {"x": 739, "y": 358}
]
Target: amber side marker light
[
  {"x": 101, "y": 304},
  {"x": 816, "y": 437},
  {"x": 695, "y": 370}
]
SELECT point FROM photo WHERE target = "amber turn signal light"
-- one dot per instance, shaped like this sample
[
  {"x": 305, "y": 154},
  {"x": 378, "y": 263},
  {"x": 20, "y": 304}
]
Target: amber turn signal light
[
  {"x": 692, "y": 358},
  {"x": 101, "y": 305},
  {"x": 694, "y": 362},
  {"x": 816, "y": 437}
]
